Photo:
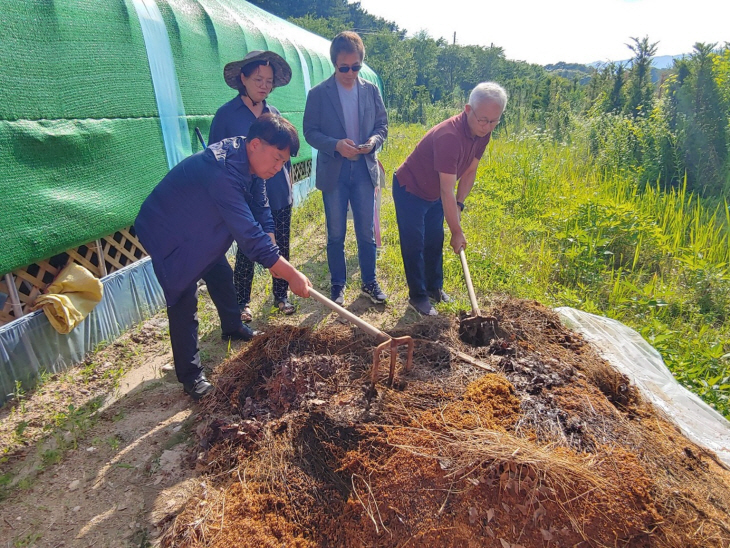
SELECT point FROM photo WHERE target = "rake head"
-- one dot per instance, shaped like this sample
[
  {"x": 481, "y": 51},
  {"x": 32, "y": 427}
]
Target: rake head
[{"x": 393, "y": 343}]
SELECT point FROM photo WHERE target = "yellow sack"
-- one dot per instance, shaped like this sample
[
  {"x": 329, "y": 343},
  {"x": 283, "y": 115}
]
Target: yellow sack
[{"x": 72, "y": 295}]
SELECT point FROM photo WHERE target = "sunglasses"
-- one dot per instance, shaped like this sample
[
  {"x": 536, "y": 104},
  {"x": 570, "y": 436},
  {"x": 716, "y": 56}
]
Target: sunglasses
[{"x": 354, "y": 68}]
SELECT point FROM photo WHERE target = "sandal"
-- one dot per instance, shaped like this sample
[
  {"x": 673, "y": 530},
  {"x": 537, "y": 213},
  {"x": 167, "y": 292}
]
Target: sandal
[
  {"x": 246, "y": 314},
  {"x": 286, "y": 307}
]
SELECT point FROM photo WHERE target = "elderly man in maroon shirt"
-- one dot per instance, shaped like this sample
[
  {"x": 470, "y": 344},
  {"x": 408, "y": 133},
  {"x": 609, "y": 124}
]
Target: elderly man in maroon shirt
[{"x": 425, "y": 191}]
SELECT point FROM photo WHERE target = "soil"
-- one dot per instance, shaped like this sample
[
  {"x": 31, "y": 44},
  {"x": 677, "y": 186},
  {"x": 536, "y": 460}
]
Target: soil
[
  {"x": 97, "y": 465},
  {"x": 541, "y": 444}
]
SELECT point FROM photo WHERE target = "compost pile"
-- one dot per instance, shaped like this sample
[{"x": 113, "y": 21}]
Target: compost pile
[{"x": 553, "y": 448}]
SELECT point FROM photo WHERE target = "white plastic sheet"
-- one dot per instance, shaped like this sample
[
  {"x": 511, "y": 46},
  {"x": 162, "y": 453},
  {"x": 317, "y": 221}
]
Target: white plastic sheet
[
  {"x": 164, "y": 80},
  {"x": 630, "y": 354}
]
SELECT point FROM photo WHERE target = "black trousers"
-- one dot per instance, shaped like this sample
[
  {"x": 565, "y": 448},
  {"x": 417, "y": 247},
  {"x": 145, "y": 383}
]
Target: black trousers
[
  {"x": 244, "y": 271},
  {"x": 183, "y": 317}
]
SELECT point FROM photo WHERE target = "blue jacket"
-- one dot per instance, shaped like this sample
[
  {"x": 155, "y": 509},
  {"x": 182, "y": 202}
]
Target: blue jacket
[
  {"x": 193, "y": 215},
  {"x": 233, "y": 119}
]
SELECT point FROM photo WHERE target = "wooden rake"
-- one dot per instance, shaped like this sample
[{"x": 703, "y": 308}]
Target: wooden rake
[{"x": 386, "y": 340}]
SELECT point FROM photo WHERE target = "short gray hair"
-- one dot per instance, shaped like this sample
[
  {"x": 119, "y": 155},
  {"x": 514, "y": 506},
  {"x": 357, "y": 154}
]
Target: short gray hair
[{"x": 486, "y": 92}]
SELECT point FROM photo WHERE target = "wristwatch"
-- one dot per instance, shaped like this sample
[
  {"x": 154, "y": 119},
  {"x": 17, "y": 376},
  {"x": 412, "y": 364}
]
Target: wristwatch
[{"x": 461, "y": 205}]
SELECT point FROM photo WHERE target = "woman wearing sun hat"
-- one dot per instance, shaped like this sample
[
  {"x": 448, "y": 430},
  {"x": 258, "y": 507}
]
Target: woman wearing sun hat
[{"x": 254, "y": 77}]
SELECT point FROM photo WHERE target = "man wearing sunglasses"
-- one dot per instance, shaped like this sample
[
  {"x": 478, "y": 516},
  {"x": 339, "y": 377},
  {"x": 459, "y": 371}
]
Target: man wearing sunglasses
[
  {"x": 345, "y": 120},
  {"x": 425, "y": 191}
]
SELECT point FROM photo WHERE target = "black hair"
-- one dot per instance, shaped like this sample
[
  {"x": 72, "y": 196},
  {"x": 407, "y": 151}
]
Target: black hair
[
  {"x": 248, "y": 69},
  {"x": 346, "y": 42},
  {"x": 275, "y": 130}
]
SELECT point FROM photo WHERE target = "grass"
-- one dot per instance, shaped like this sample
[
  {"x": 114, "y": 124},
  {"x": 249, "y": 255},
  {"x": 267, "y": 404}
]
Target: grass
[
  {"x": 63, "y": 429},
  {"x": 184, "y": 434},
  {"x": 543, "y": 223},
  {"x": 28, "y": 540}
]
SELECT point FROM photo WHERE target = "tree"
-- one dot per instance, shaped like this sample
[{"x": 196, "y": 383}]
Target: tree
[
  {"x": 639, "y": 89},
  {"x": 453, "y": 65},
  {"x": 488, "y": 64},
  {"x": 326, "y": 27},
  {"x": 425, "y": 53},
  {"x": 392, "y": 59},
  {"x": 616, "y": 97},
  {"x": 606, "y": 89},
  {"x": 702, "y": 122},
  {"x": 337, "y": 10}
]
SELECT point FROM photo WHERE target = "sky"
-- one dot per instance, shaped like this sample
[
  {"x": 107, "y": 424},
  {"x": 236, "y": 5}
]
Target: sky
[{"x": 574, "y": 31}]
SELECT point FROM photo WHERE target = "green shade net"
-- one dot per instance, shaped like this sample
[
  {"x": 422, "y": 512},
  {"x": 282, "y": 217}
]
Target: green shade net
[{"x": 80, "y": 137}]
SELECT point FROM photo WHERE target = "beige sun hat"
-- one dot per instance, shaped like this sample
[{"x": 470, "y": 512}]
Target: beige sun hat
[{"x": 282, "y": 70}]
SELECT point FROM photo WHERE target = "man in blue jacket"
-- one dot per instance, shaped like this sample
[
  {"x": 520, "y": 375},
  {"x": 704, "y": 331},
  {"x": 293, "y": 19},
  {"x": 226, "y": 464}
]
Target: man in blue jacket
[{"x": 190, "y": 220}]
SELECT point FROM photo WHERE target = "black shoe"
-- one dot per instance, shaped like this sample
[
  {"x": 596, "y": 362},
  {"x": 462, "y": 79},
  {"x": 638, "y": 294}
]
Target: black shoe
[
  {"x": 337, "y": 294},
  {"x": 423, "y": 307},
  {"x": 373, "y": 291},
  {"x": 199, "y": 388},
  {"x": 440, "y": 296},
  {"x": 243, "y": 333}
]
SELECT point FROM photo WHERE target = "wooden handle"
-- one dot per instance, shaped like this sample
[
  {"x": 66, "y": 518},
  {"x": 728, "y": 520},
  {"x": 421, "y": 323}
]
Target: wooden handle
[
  {"x": 469, "y": 286},
  {"x": 349, "y": 316},
  {"x": 478, "y": 363}
]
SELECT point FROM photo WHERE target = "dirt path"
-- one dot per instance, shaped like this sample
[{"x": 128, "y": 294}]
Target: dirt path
[
  {"x": 107, "y": 478},
  {"x": 105, "y": 453}
]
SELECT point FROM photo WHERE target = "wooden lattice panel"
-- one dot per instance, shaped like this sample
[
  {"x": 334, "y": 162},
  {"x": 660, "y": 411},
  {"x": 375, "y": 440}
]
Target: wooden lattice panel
[
  {"x": 301, "y": 171},
  {"x": 122, "y": 248},
  {"x": 28, "y": 283},
  {"x": 119, "y": 250},
  {"x": 87, "y": 256},
  {"x": 6, "y": 314}
]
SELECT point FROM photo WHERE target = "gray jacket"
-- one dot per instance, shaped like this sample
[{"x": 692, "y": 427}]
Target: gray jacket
[{"x": 324, "y": 125}]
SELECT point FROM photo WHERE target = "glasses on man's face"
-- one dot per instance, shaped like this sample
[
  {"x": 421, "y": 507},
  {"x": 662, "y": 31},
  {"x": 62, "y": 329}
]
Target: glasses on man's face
[
  {"x": 487, "y": 121},
  {"x": 353, "y": 68}
]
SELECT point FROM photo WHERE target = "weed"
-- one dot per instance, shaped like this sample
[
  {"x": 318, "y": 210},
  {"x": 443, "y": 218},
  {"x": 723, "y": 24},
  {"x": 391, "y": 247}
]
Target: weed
[
  {"x": 76, "y": 421},
  {"x": 28, "y": 540},
  {"x": 114, "y": 442},
  {"x": 182, "y": 435},
  {"x": 51, "y": 456},
  {"x": 141, "y": 538},
  {"x": 5, "y": 481},
  {"x": 18, "y": 396},
  {"x": 44, "y": 377},
  {"x": 18, "y": 432},
  {"x": 119, "y": 416},
  {"x": 26, "y": 483},
  {"x": 115, "y": 374}
]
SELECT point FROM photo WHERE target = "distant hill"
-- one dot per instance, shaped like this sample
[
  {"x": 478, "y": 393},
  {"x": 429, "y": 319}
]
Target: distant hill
[
  {"x": 666, "y": 61},
  {"x": 572, "y": 71},
  {"x": 659, "y": 62},
  {"x": 583, "y": 73}
]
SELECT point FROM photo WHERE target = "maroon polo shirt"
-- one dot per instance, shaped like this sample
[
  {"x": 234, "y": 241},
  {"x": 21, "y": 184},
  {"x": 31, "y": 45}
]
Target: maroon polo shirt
[{"x": 447, "y": 148}]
